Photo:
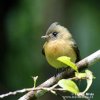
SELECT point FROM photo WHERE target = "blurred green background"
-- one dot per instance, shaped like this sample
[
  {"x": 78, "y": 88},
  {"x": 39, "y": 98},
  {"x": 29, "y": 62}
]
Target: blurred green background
[{"x": 23, "y": 22}]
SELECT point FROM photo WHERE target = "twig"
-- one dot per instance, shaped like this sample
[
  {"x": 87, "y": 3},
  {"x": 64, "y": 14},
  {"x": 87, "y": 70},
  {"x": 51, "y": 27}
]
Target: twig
[
  {"x": 27, "y": 90},
  {"x": 19, "y": 91},
  {"x": 53, "y": 88}
]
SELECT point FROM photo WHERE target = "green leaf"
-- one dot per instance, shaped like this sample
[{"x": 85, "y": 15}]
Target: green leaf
[
  {"x": 35, "y": 80},
  {"x": 69, "y": 85},
  {"x": 67, "y": 60},
  {"x": 80, "y": 75},
  {"x": 90, "y": 77}
]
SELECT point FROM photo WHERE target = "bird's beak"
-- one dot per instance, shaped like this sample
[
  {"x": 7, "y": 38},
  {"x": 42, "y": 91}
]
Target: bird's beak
[{"x": 44, "y": 37}]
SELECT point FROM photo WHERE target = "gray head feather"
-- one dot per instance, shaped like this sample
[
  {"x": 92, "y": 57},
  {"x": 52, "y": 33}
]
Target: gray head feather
[{"x": 52, "y": 27}]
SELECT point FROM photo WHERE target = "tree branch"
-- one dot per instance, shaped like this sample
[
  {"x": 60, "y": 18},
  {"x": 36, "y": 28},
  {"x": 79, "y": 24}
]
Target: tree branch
[
  {"x": 83, "y": 64},
  {"x": 50, "y": 84}
]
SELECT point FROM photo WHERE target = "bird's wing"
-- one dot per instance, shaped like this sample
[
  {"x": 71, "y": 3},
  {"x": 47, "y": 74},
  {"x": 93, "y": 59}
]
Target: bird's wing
[
  {"x": 75, "y": 47},
  {"x": 43, "y": 52}
]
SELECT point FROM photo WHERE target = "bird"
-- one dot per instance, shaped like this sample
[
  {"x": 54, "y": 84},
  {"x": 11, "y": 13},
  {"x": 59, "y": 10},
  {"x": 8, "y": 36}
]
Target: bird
[{"x": 59, "y": 42}]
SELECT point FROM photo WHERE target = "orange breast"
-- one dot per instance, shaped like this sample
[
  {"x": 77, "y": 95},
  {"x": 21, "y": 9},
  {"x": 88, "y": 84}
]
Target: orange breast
[{"x": 55, "y": 49}]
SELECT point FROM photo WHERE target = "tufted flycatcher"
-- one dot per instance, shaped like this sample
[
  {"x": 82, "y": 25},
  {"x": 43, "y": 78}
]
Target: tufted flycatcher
[{"x": 59, "y": 42}]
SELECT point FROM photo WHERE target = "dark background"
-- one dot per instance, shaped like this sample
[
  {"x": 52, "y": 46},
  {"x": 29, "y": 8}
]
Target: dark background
[{"x": 23, "y": 22}]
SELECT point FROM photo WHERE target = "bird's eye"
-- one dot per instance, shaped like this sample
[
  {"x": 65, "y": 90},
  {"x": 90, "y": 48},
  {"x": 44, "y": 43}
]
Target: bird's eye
[{"x": 55, "y": 34}]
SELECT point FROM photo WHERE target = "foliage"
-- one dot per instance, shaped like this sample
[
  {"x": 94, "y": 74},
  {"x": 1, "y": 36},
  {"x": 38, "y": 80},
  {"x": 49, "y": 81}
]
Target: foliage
[
  {"x": 68, "y": 84},
  {"x": 67, "y": 61}
]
